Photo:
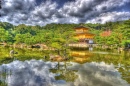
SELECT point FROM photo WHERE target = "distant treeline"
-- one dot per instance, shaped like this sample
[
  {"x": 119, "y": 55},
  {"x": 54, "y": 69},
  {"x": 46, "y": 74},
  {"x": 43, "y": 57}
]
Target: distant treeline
[
  {"x": 59, "y": 35},
  {"x": 52, "y": 35}
]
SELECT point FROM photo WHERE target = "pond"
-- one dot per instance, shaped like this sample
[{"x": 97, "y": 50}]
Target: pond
[{"x": 84, "y": 68}]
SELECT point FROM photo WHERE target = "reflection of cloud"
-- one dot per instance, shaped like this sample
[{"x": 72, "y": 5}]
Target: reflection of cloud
[
  {"x": 36, "y": 73},
  {"x": 98, "y": 74},
  {"x": 30, "y": 73}
]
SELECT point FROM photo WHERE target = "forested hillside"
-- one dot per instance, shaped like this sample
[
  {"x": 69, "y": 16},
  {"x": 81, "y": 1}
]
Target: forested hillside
[
  {"x": 57, "y": 35},
  {"x": 119, "y": 36}
]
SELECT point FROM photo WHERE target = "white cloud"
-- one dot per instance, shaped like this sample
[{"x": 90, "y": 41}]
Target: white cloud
[
  {"x": 78, "y": 11},
  {"x": 110, "y": 16},
  {"x": 45, "y": 10}
]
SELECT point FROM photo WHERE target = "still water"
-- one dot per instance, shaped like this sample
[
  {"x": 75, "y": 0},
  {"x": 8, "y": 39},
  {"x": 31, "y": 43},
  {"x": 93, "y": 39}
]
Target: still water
[{"x": 84, "y": 68}]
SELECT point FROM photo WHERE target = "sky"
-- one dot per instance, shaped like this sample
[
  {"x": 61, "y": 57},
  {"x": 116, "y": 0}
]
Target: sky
[{"x": 42, "y": 12}]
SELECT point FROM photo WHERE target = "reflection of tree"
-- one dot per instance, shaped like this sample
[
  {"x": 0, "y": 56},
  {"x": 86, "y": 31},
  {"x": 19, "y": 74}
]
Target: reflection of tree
[
  {"x": 23, "y": 54},
  {"x": 120, "y": 61},
  {"x": 123, "y": 66},
  {"x": 4, "y": 74},
  {"x": 68, "y": 75},
  {"x": 124, "y": 70},
  {"x": 64, "y": 73},
  {"x": 108, "y": 58}
]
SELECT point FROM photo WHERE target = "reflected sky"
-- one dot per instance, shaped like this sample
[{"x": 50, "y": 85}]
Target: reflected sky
[{"x": 37, "y": 73}]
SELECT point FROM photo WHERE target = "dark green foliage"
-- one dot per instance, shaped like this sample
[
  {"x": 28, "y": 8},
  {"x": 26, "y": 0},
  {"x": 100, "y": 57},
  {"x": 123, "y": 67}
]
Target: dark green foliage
[
  {"x": 120, "y": 34},
  {"x": 59, "y": 35},
  {"x": 53, "y": 35}
]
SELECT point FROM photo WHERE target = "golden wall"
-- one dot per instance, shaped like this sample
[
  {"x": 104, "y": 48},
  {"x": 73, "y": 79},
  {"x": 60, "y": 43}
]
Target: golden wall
[
  {"x": 84, "y": 36},
  {"x": 81, "y": 30}
]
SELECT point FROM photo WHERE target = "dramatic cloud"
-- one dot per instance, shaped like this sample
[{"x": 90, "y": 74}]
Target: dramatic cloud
[
  {"x": 37, "y": 73},
  {"x": 16, "y": 11},
  {"x": 72, "y": 11},
  {"x": 110, "y": 16}
]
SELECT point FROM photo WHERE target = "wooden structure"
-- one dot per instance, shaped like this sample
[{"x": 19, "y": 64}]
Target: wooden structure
[
  {"x": 83, "y": 35},
  {"x": 85, "y": 39},
  {"x": 106, "y": 33}
]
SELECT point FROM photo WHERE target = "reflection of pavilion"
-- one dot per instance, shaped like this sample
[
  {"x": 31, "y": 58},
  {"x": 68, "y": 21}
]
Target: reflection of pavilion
[{"x": 81, "y": 56}]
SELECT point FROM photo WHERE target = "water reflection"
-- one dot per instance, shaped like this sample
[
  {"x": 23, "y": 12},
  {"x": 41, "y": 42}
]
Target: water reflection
[
  {"x": 99, "y": 74},
  {"x": 40, "y": 73},
  {"x": 81, "y": 56}
]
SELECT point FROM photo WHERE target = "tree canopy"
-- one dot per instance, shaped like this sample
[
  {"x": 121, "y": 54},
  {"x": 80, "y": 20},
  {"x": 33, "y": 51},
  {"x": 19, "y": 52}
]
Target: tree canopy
[{"x": 59, "y": 35}]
